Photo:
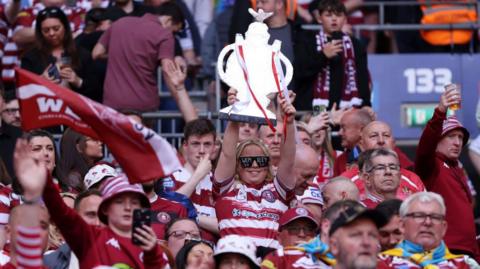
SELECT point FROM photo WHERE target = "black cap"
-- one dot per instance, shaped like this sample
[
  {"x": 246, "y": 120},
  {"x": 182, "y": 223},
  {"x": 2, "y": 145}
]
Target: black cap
[{"x": 353, "y": 213}]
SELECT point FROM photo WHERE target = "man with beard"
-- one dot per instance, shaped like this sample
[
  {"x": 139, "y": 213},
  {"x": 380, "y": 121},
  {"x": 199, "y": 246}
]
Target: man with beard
[
  {"x": 423, "y": 219},
  {"x": 354, "y": 238},
  {"x": 381, "y": 175}
]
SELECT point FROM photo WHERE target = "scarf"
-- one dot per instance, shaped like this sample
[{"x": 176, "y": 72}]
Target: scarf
[
  {"x": 318, "y": 250},
  {"x": 416, "y": 254},
  {"x": 349, "y": 96}
]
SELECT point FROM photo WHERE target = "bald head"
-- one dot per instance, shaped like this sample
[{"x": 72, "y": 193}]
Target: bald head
[
  {"x": 351, "y": 126},
  {"x": 376, "y": 135},
  {"x": 338, "y": 189},
  {"x": 306, "y": 167}
]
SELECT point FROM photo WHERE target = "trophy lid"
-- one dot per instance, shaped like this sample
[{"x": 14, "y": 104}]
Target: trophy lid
[{"x": 258, "y": 30}]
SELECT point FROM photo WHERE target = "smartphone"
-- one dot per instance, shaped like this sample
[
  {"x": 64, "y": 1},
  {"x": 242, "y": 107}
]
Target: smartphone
[
  {"x": 53, "y": 72},
  {"x": 142, "y": 216},
  {"x": 317, "y": 109}
]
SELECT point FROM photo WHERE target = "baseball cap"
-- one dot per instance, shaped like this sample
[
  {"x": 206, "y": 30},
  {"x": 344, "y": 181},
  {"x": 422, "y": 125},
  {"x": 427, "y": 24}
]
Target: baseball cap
[
  {"x": 294, "y": 214},
  {"x": 356, "y": 212},
  {"x": 236, "y": 244},
  {"x": 114, "y": 186},
  {"x": 97, "y": 173},
  {"x": 312, "y": 195},
  {"x": 452, "y": 123}
]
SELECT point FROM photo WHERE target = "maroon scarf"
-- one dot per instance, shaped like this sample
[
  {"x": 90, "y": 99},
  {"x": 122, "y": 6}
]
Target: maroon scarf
[{"x": 321, "y": 91}]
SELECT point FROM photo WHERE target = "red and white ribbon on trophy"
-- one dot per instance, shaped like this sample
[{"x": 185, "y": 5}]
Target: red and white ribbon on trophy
[{"x": 243, "y": 65}]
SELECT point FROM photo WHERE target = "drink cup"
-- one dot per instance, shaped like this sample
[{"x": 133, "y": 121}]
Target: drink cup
[{"x": 456, "y": 88}]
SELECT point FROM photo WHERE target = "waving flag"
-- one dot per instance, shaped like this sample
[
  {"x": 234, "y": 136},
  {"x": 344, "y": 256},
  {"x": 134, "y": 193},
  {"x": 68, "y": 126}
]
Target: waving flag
[{"x": 142, "y": 153}]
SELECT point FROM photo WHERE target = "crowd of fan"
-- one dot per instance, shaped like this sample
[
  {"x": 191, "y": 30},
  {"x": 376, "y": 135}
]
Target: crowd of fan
[{"x": 258, "y": 196}]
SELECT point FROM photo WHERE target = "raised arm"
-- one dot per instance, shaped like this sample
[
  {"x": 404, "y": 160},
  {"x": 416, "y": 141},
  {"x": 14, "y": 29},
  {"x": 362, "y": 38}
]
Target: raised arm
[
  {"x": 226, "y": 163},
  {"x": 427, "y": 146},
  {"x": 287, "y": 149},
  {"x": 175, "y": 78},
  {"x": 204, "y": 167},
  {"x": 35, "y": 180}
]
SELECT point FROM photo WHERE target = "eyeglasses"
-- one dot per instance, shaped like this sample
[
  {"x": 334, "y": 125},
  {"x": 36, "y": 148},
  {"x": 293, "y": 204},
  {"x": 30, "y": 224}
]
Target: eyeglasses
[
  {"x": 183, "y": 234},
  {"x": 206, "y": 242},
  {"x": 11, "y": 110},
  {"x": 420, "y": 217},
  {"x": 48, "y": 11},
  {"x": 382, "y": 168},
  {"x": 246, "y": 162},
  {"x": 295, "y": 230}
]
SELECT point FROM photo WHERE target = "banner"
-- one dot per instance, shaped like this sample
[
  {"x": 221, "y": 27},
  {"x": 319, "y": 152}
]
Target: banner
[{"x": 142, "y": 153}]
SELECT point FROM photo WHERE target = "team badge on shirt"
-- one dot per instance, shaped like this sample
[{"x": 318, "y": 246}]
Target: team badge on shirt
[
  {"x": 163, "y": 217},
  {"x": 269, "y": 196}
]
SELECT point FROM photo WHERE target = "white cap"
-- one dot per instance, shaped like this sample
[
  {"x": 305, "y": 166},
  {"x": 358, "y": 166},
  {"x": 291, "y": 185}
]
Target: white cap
[
  {"x": 311, "y": 195},
  {"x": 239, "y": 245},
  {"x": 97, "y": 173}
]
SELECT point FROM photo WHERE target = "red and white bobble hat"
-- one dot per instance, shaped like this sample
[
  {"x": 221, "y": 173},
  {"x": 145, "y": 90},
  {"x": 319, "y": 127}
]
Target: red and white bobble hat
[
  {"x": 236, "y": 244},
  {"x": 97, "y": 173},
  {"x": 451, "y": 123},
  {"x": 115, "y": 186}
]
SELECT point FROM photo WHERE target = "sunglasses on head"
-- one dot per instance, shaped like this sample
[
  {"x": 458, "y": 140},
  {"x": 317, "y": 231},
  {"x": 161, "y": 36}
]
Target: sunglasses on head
[{"x": 247, "y": 162}]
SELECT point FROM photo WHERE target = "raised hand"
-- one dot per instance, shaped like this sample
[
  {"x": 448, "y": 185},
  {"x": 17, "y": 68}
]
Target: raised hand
[
  {"x": 288, "y": 110},
  {"x": 336, "y": 114},
  {"x": 146, "y": 236},
  {"x": 447, "y": 99},
  {"x": 232, "y": 96},
  {"x": 331, "y": 49},
  {"x": 175, "y": 73},
  {"x": 31, "y": 173},
  {"x": 319, "y": 122},
  {"x": 204, "y": 166}
]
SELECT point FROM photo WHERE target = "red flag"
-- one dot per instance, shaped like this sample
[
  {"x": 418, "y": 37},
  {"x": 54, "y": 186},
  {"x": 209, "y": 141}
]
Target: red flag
[{"x": 142, "y": 153}]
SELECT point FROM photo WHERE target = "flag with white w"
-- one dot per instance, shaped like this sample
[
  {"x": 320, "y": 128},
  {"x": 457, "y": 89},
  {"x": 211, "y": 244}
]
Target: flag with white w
[{"x": 142, "y": 153}]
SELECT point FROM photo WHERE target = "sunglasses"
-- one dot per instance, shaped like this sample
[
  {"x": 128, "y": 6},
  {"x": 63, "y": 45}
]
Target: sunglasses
[{"x": 247, "y": 162}]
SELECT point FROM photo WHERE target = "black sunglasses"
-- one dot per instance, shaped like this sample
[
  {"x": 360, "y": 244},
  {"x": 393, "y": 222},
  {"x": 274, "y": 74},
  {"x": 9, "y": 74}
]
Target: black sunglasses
[{"x": 247, "y": 162}]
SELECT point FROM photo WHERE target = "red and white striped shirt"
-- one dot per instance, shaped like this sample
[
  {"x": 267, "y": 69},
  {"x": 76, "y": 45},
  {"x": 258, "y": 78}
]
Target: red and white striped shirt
[
  {"x": 8, "y": 200},
  {"x": 251, "y": 211},
  {"x": 202, "y": 197}
]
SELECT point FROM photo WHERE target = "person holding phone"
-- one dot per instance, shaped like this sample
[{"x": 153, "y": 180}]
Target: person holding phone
[
  {"x": 55, "y": 55},
  {"x": 331, "y": 66},
  {"x": 108, "y": 245}
]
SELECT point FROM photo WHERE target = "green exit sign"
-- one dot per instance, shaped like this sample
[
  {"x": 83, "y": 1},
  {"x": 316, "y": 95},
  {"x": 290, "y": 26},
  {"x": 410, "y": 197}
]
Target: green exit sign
[{"x": 417, "y": 115}]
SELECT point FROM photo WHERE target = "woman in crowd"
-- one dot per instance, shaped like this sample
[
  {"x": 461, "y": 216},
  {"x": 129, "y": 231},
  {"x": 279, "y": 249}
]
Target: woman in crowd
[
  {"x": 251, "y": 199},
  {"x": 235, "y": 251},
  {"x": 55, "y": 55},
  {"x": 79, "y": 153},
  {"x": 195, "y": 254}
]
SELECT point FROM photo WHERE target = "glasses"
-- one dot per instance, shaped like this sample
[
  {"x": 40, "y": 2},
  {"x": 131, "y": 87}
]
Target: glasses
[
  {"x": 382, "y": 168},
  {"x": 420, "y": 217},
  {"x": 208, "y": 243},
  {"x": 11, "y": 110},
  {"x": 247, "y": 162},
  {"x": 295, "y": 230},
  {"x": 183, "y": 234}
]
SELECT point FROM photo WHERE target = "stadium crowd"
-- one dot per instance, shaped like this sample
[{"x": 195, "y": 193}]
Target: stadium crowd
[{"x": 257, "y": 196}]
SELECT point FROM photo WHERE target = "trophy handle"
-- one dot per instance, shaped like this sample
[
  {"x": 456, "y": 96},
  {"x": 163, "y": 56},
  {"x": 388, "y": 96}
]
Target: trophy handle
[
  {"x": 221, "y": 56},
  {"x": 289, "y": 67}
]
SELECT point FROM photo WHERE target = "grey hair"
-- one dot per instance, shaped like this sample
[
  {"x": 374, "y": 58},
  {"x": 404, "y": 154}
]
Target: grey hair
[
  {"x": 368, "y": 164},
  {"x": 422, "y": 197}
]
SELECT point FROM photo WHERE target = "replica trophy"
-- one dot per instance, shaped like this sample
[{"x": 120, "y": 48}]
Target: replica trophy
[{"x": 254, "y": 70}]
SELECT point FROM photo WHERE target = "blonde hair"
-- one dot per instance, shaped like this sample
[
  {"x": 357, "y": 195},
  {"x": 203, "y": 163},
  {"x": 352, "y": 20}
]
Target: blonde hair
[{"x": 242, "y": 145}]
